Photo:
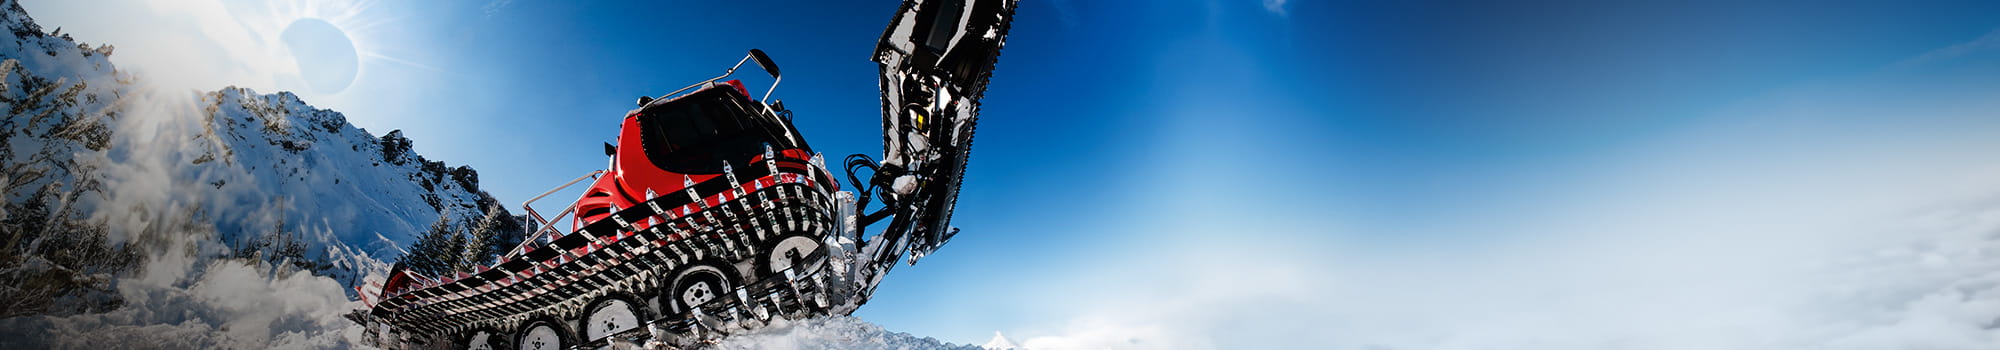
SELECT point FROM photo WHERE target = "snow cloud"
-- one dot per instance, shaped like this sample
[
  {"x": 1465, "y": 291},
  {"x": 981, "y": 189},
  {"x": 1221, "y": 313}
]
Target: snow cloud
[
  {"x": 213, "y": 305},
  {"x": 185, "y": 296}
]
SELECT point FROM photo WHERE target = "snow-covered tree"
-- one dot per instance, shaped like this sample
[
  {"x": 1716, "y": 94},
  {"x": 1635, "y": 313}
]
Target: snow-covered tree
[
  {"x": 494, "y": 234},
  {"x": 443, "y": 250},
  {"x": 439, "y": 251}
]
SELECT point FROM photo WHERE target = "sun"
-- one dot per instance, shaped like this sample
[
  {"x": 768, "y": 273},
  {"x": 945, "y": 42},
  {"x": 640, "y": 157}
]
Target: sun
[
  {"x": 326, "y": 41},
  {"x": 325, "y": 56}
]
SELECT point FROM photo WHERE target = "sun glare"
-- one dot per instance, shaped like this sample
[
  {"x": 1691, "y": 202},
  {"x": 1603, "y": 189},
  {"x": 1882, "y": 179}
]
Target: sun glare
[
  {"x": 325, "y": 56},
  {"x": 327, "y": 41}
]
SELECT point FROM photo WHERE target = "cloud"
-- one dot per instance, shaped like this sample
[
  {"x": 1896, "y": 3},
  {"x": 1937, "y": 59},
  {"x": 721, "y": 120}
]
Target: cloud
[
  {"x": 494, "y": 7},
  {"x": 1675, "y": 278},
  {"x": 1276, "y": 7},
  {"x": 212, "y": 305},
  {"x": 1983, "y": 43},
  {"x": 200, "y": 45},
  {"x": 205, "y": 45},
  {"x": 1859, "y": 213}
]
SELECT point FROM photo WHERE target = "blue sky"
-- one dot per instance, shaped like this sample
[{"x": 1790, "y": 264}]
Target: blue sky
[{"x": 1221, "y": 172}]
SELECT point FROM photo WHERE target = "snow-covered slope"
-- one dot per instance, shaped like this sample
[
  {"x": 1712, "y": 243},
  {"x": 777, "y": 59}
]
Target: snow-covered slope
[
  {"x": 248, "y": 164},
  {"x": 59, "y": 99},
  {"x": 358, "y": 184},
  {"x": 275, "y": 157},
  {"x": 136, "y": 217}
]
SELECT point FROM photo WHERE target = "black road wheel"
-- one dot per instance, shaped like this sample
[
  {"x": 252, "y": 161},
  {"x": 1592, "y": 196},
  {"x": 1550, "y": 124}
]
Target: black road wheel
[
  {"x": 698, "y": 283},
  {"x": 611, "y": 315},
  {"x": 544, "y": 335},
  {"x": 787, "y": 251},
  {"x": 481, "y": 339}
]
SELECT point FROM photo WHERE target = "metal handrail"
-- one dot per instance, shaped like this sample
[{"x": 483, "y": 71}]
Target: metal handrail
[
  {"x": 544, "y": 226},
  {"x": 767, "y": 92},
  {"x": 731, "y": 71}
]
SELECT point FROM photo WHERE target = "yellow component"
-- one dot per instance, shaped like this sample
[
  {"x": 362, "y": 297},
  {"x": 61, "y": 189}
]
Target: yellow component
[{"x": 920, "y": 119}]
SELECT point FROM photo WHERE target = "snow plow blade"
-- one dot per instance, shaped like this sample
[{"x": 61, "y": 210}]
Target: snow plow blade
[{"x": 936, "y": 58}]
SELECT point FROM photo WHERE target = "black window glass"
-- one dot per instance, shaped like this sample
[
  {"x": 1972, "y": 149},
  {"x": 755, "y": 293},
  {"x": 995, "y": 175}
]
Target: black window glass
[{"x": 696, "y": 133}]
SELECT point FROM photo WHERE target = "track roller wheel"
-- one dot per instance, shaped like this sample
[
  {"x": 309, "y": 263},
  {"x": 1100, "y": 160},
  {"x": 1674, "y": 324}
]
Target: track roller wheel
[
  {"x": 610, "y": 315},
  {"x": 786, "y": 250},
  {"x": 481, "y": 339},
  {"x": 698, "y": 283},
  {"x": 544, "y": 335}
]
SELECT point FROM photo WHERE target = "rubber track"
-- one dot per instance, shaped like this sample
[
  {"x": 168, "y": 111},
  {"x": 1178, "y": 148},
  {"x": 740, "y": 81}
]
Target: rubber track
[{"x": 736, "y": 229}]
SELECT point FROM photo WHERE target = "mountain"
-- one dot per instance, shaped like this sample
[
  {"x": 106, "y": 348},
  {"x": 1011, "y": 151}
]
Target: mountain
[
  {"x": 1000, "y": 342},
  {"x": 274, "y": 156},
  {"x": 104, "y": 176}
]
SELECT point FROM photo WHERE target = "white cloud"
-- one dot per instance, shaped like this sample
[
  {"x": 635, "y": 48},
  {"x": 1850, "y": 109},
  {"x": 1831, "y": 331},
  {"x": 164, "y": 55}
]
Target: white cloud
[
  {"x": 205, "y": 45},
  {"x": 1647, "y": 276},
  {"x": 190, "y": 45},
  {"x": 1986, "y": 42},
  {"x": 494, "y": 7},
  {"x": 220, "y": 304},
  {"x": 1275, "y": 6},
  {"x": 1852, "y": 214}
]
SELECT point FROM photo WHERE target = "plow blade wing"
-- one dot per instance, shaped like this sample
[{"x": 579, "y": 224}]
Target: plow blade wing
[{"x": 936, "y": 58}]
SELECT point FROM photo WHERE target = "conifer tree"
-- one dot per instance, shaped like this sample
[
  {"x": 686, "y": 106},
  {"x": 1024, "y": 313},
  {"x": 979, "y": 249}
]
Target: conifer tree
[{"x": 436, "y": 253}]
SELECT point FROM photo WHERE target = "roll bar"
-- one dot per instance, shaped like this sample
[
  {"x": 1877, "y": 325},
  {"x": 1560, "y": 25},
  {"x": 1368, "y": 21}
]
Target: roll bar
[
  {"x": 543, "y": 226},
  {"x": 763, "y": 61}
]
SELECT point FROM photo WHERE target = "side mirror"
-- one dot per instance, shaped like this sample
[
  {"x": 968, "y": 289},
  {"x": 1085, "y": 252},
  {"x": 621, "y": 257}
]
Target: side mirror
[
  {"x": 765, "y": 62},
  {"x": 610, "y": 150}
]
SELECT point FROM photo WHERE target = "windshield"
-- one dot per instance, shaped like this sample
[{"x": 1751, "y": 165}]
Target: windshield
[{"x": 694, "y": 134}]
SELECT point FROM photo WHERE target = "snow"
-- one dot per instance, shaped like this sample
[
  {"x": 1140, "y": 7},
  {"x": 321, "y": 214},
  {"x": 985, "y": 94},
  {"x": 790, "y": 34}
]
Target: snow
[
  {"x": 332, "y": 178},
  {"x": 219, "y": 305},
  {"x": 831, "y": 333},
  {"x": 182, "y": 176},
  {"x": 246, "y": 163},
  {"x": 1000, "y": 342}
]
